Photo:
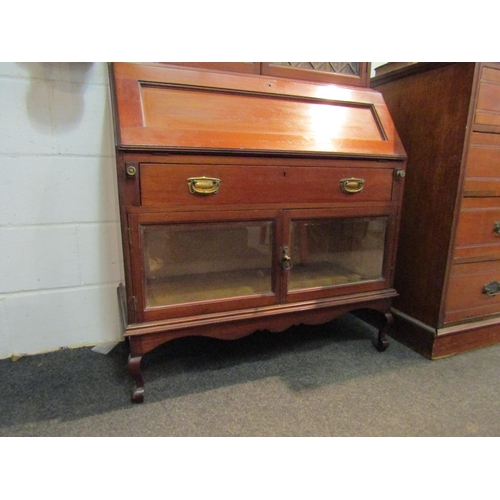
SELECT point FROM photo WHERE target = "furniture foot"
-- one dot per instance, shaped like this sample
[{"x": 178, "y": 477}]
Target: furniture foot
[
  {"x": 134, "y": 366},
  {"x": 381, "y": 344},
  {"x": 380, "y": 320}
]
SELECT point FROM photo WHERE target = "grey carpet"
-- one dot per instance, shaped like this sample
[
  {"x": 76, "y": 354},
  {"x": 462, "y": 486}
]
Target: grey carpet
[{"x": 326, "y": 380}]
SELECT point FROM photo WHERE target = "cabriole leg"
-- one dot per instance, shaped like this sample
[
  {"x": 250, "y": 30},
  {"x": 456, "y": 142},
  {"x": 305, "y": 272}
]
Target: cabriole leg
[
  {"x": 134, "y": 366},
  {"x": 380, "y": 320},
  {"x": 382, "y": 343}
]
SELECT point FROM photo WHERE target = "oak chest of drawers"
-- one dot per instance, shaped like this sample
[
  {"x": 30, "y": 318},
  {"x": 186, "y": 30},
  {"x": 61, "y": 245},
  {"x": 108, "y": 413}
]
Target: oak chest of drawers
[
  {"x": 251, "y": 203},
  {"x": 448, "y": 265}
]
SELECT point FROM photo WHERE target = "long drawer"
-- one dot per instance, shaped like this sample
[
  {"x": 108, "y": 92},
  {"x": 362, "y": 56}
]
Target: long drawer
[
  {"x": 181, "y": 184},
  {"x": 482, "y": 171},
  {"x": 467, "y": 296},
  {"x": 478, "y": 232},
  {"x": 488, "y": 101}
]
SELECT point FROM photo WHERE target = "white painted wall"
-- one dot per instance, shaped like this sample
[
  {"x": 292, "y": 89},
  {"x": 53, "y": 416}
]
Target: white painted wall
[{"x": 60, "y": 247}]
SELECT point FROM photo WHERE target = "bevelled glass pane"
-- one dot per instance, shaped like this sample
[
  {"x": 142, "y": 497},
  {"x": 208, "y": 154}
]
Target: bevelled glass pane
[
  {"x": 196, "y": 262},
  {"x": 330, "y": 252}
]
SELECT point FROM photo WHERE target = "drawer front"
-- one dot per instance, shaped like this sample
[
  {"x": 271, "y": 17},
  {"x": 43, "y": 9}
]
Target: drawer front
[
  {"x": 478, "y": 232},
  {"x": 466, "y": 296},
  {"x": 482, "y": 171},
  {"x": 488, "y": 101},
  {"x": 181, "y": 185}
]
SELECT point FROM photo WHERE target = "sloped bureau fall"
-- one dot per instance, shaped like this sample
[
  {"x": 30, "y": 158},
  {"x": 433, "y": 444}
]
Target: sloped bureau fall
[{"x": 251, "y": 202}]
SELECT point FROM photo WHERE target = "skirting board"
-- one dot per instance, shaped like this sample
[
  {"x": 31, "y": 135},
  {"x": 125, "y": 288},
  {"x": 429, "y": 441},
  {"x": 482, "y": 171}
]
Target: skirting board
[{"x": 440, "y": 343}]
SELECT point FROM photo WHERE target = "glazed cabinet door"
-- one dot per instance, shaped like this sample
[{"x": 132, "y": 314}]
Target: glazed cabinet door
[
  {"x": 337, "y": 252},
  {"x": 190, "y": 263}
]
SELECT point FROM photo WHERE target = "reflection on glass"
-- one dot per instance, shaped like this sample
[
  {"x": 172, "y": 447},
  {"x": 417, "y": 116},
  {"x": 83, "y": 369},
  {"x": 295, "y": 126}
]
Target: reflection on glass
[
  {"x": 329, "y": 252},
  {"x": 195, "y": 262}
]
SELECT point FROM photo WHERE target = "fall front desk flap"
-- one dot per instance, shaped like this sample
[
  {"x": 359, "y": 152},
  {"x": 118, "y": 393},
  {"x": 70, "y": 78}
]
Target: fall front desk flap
[{"x": 187, "y": 110}]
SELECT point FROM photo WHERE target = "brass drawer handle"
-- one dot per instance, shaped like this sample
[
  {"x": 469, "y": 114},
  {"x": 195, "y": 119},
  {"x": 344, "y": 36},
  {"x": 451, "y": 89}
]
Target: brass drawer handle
[
  {"x": 352, "y": 185},
  {"x": 492, "y": 288},
  {"x": 496, "y": 227},
  {"x": 203, "y": 185}
]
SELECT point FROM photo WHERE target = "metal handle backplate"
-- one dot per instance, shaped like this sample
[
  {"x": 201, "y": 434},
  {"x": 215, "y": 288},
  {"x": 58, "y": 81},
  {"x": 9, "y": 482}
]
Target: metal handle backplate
[
  {"x": 203, "y": 185},
  {"x": 352, "y": 185},
  {"x": 491, "y": 289}
]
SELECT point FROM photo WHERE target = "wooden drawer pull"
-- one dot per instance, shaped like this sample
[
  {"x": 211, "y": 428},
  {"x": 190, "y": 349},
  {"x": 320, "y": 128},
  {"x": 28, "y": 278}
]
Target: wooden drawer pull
[
  {"x": 203, "y": 185},
  {"x": 492, "y": 289},
  {"x": 352, "y": 185}
]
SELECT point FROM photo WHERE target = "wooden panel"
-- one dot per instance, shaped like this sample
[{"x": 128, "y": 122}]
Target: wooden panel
[
  {"x": 227, "y": 119},
  {"x": 488, "y": 101},
  {"x": 476, "y": 238},
  {"x": 340, "y": 73},
  {"x": 236, "y": 324},
  {"x": 165, "y": 184},
  {"x": 490, "y": 74},
  {"x": 483, "y": 158},
  {"x": 167, "y": 108},
  {"x": 390, "y": 72},
  {"x": 482, "y": 186},
  {"x": 448, "y": 341},
  {"x": 483, "y": 165},
  {"x": 489, "y": 97},
  {"x": 466, "y": 337},
  {"x": 430, "y": 110},
  {"x": 236, "y": 67},
  {"x": 465, "y": 297}
]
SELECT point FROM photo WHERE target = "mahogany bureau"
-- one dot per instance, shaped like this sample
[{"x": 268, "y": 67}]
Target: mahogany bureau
[
  {"x": 448, "y": 263},
  {"x": 251, "y": 202}
]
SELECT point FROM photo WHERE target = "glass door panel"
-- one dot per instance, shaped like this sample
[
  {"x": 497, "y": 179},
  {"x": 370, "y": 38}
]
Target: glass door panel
[
  {"x": 336, "y": 251},
  {"x": 194, "y": 262}
]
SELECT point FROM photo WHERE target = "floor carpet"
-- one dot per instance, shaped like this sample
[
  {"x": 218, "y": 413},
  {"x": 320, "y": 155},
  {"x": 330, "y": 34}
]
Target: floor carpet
[{"x": 325, "y": 380}]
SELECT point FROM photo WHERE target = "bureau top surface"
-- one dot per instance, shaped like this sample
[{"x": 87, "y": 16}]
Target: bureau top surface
[{"x": 167, "y": 109}]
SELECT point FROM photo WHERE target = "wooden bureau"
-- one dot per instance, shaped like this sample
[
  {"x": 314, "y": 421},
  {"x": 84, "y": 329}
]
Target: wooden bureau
[
  {"x": 448, "y": 264},
  {"x": 251, "y": 202}
]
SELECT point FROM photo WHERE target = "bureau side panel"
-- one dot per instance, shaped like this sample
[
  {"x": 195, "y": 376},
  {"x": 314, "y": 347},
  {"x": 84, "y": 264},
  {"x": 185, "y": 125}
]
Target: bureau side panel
[{"x": 430, "y": 111}]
